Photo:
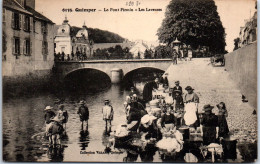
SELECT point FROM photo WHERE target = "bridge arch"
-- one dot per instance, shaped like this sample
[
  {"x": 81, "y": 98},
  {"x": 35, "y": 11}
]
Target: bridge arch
[
  {"x": 85, "y": 68},
  {"x": 134, "y": 74},
  {"x": 86, "y": 79}
]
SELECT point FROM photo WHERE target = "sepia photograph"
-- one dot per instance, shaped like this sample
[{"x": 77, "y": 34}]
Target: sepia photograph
[{"x": 129, "y": 81}]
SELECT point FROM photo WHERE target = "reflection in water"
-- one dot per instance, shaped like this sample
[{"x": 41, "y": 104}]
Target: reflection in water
[
  {"x": 23, "y": 117},
  {"x": 84, "y": 139},
  {"x": 148, "y": 153},
  {"x": 56, "y": 154}
]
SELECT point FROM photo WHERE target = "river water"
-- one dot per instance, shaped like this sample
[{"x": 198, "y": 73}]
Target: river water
[{"x": 23, "y": 118}]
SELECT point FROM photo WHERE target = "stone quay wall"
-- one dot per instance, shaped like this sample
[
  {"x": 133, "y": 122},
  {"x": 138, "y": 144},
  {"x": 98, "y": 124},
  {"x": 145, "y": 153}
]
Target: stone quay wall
[
  {"x": 242, "y": 67},
  {"x": 25, "y": 77}
]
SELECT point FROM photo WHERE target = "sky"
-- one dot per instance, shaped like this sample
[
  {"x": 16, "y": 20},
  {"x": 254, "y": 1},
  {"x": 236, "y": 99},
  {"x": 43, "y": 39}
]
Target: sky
[{"x": 139, "y": 25}]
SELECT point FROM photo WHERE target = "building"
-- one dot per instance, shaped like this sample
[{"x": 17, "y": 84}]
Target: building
[
  {"x": 66, "y": 41},
  {"x": 248, "y": 33},
  {"x": 28, "y": 39},
  {"x": 138, "y": 50}
]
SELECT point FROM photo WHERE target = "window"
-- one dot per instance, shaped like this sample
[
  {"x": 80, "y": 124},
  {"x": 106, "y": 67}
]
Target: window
[
  {"x": 27, "y": 47},
  {"x": 34, "y": 24},
  {"x": 45, "y": 48},
  {"x": 16, "y": 21},
  {"x": 16, "y": 46},
  {"x": 44, "y": 28},
  {"x": 26, "y": 23},
  {"x": 4, "y": 12}
]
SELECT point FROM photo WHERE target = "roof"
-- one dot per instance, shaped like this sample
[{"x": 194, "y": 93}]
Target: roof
[
  {"x": 38, "y": 15},
  {"x": 13, "y": 5}
]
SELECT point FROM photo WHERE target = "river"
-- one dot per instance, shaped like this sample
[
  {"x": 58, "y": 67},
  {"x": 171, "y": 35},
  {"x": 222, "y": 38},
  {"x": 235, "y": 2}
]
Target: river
[{"x": 23, "y": 117}]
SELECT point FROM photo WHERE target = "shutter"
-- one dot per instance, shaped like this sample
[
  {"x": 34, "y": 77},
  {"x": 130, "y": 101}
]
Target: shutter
[
  {"x": 41, "y": 27},
  {"x": 24, "y": 47},
  {"x": 21, "y": 46},
  {"x": 31, "y": 23},
  {"x": 24, "y": 22},
  {"x": 47, "y": 50},
  {"x": 20, "y": 21},
  {"x": 46, "y": 29},
  {"x": 30, "y": 48},
  {"x": 12, "y": 19},
  {"x": 4, "y": 11},
  {"x": 43, "y": 47},
  {"x": 13, "y": 45}
]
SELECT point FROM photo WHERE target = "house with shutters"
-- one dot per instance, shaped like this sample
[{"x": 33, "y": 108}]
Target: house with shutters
[{"x": 27, "y": 40}]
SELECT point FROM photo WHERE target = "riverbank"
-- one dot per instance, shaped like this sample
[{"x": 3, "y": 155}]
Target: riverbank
[{"x": 214, "y": 85}]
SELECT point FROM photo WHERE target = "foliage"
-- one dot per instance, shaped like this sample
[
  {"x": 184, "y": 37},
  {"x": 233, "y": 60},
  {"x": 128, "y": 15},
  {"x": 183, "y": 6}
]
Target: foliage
[
  {"x": 236, "y": 42},
  {"x": 163, "y": 52},
  {"x": 116, "y": 52},
  {"x": 100, "y": 36},
  {"x": 193, "y": 22}
]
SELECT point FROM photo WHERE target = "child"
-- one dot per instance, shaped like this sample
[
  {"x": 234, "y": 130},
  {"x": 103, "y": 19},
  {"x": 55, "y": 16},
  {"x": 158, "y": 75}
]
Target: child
[
  {"x": 179, "y": 107},
  {"x": 222, "y": 114}
]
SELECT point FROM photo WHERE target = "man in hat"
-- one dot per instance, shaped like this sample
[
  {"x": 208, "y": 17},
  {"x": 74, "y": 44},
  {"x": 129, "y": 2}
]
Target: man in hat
[
  {"x": 209, "y": 125},
  {"x": 49, "y": 114},
  {"x": 83, "y": 113},
  {"x": 108, "y": 113},
  {"x": 176, "y": 87}
]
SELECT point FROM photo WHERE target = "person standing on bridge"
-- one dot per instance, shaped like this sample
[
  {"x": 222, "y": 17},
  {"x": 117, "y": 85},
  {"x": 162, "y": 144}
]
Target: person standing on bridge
[
  {"x": 108, "y": 113},
  {"x": 174, "y": 56}
]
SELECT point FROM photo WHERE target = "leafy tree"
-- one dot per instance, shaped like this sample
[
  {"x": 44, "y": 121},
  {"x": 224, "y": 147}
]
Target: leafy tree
[
  {"x": 236, "y": 42},
  {"x": 163, "y": 52},
  {"x": 193, "y": 22}
]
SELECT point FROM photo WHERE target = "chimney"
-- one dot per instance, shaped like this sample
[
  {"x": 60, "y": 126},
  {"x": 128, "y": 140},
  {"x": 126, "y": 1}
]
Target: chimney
[{"x": 30, "y": 3}]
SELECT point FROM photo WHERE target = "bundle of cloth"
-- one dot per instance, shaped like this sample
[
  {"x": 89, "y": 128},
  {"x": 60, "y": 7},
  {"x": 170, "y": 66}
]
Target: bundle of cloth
[
  {"x": 172, "y": 141},
  {"x": 121, "y": 131},
  {"x": 154, "y": 108},
  {"x": 190, "y": 116},
  {"x": 190, "y": 158}
]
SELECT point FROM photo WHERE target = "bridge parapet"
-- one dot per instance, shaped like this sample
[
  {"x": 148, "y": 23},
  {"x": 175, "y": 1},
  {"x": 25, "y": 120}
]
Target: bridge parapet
[{"x": 109, "y": 66}]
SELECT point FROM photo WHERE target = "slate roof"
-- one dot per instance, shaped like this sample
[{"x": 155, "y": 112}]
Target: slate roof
[{"x": 13, "y": 5}]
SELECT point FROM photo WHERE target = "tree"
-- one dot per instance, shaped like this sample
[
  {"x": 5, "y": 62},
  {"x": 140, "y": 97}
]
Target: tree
[
  {"x": 163, "y": 52},
  {"x": 193, "y": 22},
  {"x": 236, "y": 42}
]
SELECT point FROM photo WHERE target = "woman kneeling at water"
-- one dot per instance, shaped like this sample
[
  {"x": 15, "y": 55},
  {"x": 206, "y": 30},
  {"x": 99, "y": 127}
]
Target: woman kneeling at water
[{"x": 148, "y": 127}]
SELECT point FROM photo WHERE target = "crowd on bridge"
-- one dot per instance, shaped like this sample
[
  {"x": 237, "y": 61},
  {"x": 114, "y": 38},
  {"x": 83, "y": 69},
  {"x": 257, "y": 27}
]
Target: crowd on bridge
[
  {"x": 182, "y": 53},
  {"x": 70, "y": 57},
  {"x": 163, "y": 116}
]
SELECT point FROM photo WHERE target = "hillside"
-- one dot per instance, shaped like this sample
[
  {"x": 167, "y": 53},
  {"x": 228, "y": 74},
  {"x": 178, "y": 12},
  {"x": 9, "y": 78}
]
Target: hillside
[{"x": 100, "y": 36}]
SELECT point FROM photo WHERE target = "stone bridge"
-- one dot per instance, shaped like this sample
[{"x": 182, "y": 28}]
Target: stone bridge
[{"x": 115, "y": 69}]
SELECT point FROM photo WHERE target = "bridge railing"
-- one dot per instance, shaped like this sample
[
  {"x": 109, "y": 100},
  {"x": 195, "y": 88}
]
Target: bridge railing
[{"x": 115, "y": 60}]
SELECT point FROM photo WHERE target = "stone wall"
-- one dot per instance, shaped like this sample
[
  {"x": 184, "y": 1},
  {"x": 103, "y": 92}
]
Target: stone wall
[{"x": 242, "y": 67}]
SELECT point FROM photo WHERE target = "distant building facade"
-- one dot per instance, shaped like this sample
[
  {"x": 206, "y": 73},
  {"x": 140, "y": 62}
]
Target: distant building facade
[
  {"x": 66, "y": 42},
  {"x": 28, "y": 39},
  {"x": 248, "y": 33}
]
